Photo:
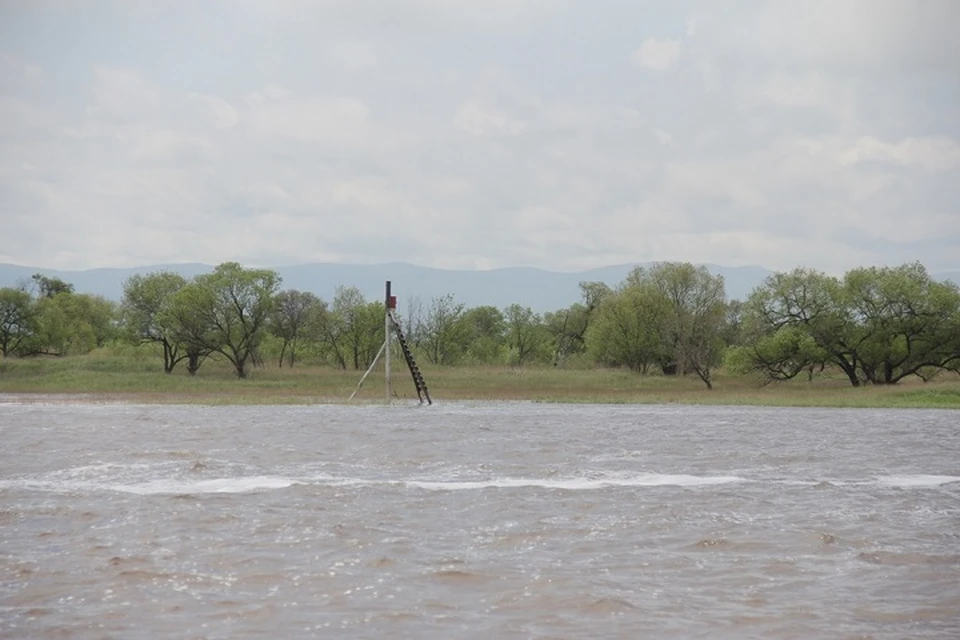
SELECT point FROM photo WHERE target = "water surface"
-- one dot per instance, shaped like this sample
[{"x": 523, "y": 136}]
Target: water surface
[{"x": 477, "y": 521}]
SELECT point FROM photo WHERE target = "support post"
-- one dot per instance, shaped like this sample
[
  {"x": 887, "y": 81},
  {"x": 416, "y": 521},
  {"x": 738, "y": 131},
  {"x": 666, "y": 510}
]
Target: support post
[
  {"x": 369, "y": 369},
  {"x": 388, "y": 330}
]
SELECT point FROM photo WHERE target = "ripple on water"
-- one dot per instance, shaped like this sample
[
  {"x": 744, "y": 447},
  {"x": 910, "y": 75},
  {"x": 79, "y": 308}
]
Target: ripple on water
[
  {"x": 902, "y": 559},
  {"x": 920, "y": 481},
  {"x": 474, "y": 520}
]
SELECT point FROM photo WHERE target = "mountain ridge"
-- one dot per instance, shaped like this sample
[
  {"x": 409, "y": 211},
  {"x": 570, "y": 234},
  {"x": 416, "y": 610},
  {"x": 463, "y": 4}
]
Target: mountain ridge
[{"x": 540, "y": 289}]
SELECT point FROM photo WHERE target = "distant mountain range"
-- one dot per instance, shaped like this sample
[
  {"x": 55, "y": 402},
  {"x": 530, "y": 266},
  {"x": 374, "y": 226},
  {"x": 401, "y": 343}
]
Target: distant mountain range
[{"x": 536, "y": 288}]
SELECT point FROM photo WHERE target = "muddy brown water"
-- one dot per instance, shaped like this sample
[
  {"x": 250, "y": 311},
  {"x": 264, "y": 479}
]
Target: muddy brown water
[{"x": 477, "y": 520}]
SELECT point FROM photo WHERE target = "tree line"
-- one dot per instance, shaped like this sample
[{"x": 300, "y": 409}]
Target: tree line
[{"x": 874, "y": 325}]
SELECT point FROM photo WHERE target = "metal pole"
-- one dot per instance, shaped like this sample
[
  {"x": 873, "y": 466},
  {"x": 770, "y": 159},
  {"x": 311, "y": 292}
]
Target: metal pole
[
  {"x": 369, "y": 369},
  {"x": 387, "y": 330}
]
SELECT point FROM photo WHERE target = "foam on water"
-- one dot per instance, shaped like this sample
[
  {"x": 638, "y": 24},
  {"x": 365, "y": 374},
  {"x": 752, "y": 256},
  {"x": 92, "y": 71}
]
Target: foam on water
[
  {"x": 161, "y": 479},
  {"x": 216, "y": 485},
  {"x": 245, "y": 484},
  {"x": 575, "y": 484},
  {"x": 495, "y": 520},
  {"x": 155, "y": 487},
  {"x": 916, "y": 481}
]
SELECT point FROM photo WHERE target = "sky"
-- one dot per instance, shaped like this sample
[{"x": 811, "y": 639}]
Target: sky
[{"x": 478, "y": 134}]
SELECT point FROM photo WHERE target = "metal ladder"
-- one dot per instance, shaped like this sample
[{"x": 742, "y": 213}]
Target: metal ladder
[{"x": 418, "y": 381}]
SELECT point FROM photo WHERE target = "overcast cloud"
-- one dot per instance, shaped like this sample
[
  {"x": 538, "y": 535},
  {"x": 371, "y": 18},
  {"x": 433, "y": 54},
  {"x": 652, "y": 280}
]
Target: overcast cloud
[{"x": 560, "y": 134}]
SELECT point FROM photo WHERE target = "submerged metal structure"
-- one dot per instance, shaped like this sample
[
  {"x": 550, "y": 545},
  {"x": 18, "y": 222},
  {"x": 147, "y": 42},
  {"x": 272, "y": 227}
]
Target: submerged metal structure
[{"x": 391, "y": 327}]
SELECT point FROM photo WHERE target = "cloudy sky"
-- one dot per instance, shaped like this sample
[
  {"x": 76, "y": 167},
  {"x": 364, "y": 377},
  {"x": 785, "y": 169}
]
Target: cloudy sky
[{"x": 560, "y": 134}]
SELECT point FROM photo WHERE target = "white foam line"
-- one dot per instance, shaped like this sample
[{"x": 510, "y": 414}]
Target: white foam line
[
  {"x": 266, "y": 483},
  {"x": 159, "y": 487},
  {"x": 916, "y": 481},
  {"x": 575, "y": 484},
  {"x": 216, "y": 485},
  {"x": 257, "y": 483}
]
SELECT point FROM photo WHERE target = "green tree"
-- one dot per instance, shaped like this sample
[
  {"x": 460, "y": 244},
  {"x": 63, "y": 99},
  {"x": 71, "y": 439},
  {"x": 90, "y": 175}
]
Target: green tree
[
  {"x": 354, "y": 328},
  {"x": 483, "y": 332},
  {"x": 96, "y": 312},
  {"x": 17, "y": 320},
  {"x": 693, "y": 326},
  {"x": 186, "y": 315},
  {"x": 142, "y": 316},
  {"x": 779, "y": 355},
  {"x": 48, "y": 286},
  {"x": 877, "y": 325},
  {"x": 297, "y": 316},
  {"x": 673, "y": 314},
  {"x": 798, "y": 320},
  {"x": 237, "y": 310},
  {"x": 69, "y": 323},
  {"x": 732, "y": 333},
  {"x": 626, "y": 330},
  {"x": 592, "y": 294},
  {"x": 443, "y": 340},
  {"x": 52, "y": 336},
  {"x": 413, "y": 322},
  {"x": 907, "y": 321},
  {"x": 565, "y": 328},
  {"x": 525, "y": 334},
  {"x": 568, "y": 327}
]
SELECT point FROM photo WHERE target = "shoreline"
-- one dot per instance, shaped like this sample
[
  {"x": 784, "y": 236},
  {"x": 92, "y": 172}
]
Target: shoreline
[
  {"x": 238, "y": 399},
  {"x": 103, "y": 378}
]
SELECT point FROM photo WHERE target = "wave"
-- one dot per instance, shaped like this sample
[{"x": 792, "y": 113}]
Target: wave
[
  {"x": 98, "y": 478},
  {"x": 56, "y": 482},
  {"x": 255, "y": 483},
  {"x": 916, "y": 481},
  {"x": 574, "y": 484},
  {"x": 157, "y": 487},
  {"x": 217, "y": 485}
]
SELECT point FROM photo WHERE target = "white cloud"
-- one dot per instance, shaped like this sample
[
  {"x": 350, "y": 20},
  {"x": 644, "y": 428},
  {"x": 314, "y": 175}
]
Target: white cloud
[
  {"x": 894, "y": 34},
  {"x": 657, "y": 54},
  {"x": 736, "y": 182},
  {"x": 224, "y": 114},
  {"x": 419, "y": 15},
  {"x": 341, "y": 121},
  {"x": 369, "y": 193},
  {"x": 485, "y": 122},
  {"x": 121, "y": 93},
  {"x": 464, "y": 134},
  {"x": 355, "y": 56},
  {"x": 808, "y": 90},
  {"x": 930, "y": 154},
  {"x": 591, "y": 116},
  {"x": 18, "y": 73},
  {"x": 166, "y": 145}
]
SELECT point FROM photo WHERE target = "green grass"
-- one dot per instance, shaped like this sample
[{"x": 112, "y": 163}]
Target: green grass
[
  {"x": 946, "y": 397},
  {"x": 138, "y": 377}
]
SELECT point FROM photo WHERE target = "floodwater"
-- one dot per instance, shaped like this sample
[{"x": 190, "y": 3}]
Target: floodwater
[{"x": 477, "y": 521}]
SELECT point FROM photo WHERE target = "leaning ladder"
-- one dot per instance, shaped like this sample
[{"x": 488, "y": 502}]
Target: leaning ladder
[{"x": 418, "y": 381}]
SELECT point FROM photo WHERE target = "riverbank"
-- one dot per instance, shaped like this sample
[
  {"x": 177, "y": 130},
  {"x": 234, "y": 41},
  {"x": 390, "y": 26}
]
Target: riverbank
[{"x": 109, "y": 378}]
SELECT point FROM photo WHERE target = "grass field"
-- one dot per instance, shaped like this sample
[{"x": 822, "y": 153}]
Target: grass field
[{"x": 138, "y": 378}]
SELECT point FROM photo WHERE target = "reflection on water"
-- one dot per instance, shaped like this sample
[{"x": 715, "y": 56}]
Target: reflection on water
[{"x": 478, "y": 520}]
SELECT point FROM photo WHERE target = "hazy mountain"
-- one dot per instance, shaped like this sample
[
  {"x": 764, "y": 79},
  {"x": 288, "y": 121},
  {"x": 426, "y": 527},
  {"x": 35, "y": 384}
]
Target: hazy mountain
[
  {"x": 107, "y": 282},
  {"x": 539, "y": 289}
]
